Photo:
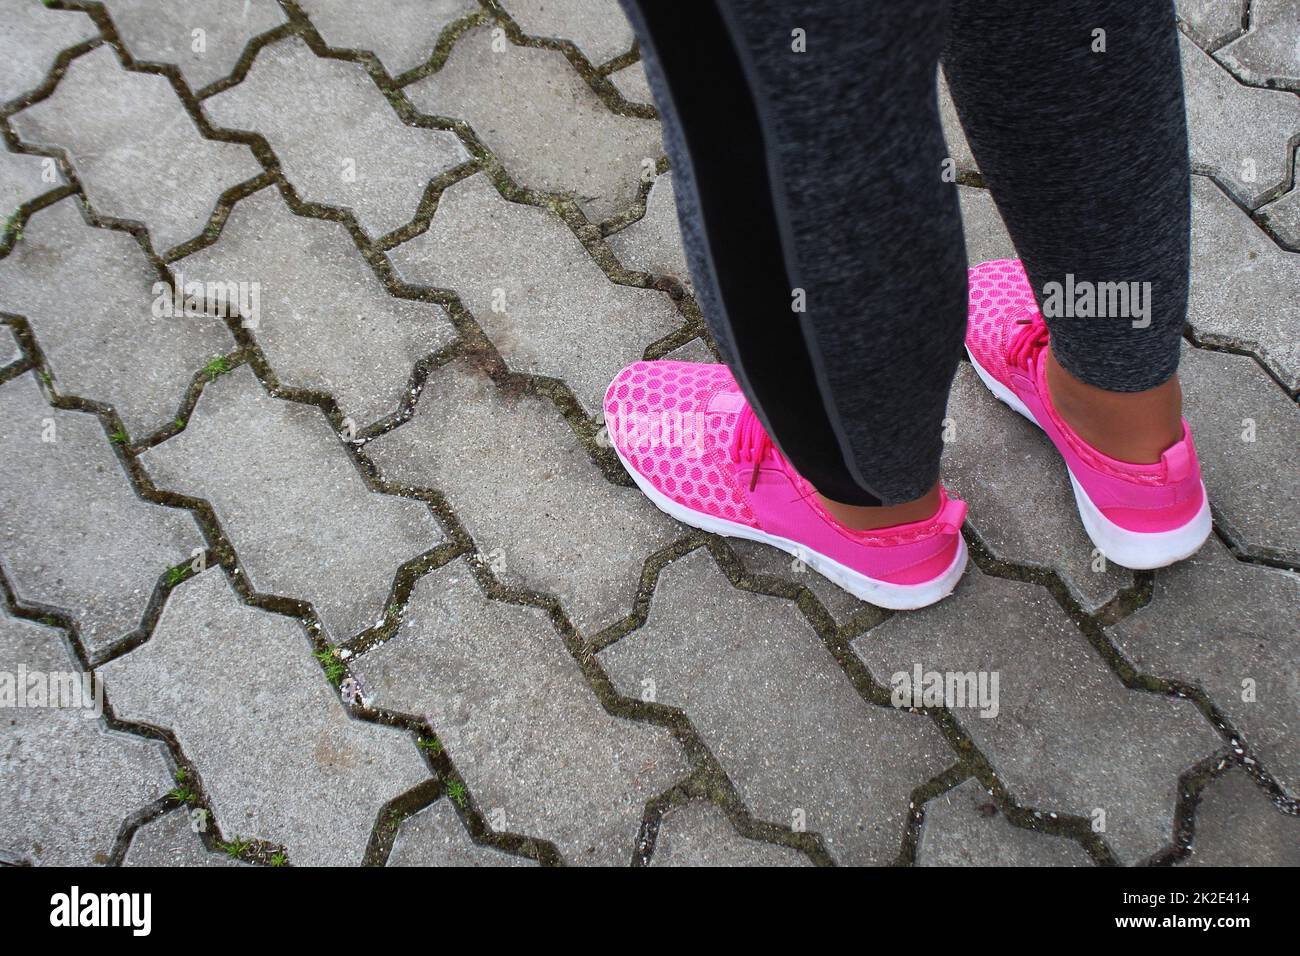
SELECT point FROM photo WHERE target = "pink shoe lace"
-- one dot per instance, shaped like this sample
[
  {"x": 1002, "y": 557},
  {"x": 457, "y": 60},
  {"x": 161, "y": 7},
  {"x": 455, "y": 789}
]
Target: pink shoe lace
[
  {"x": 1029, "y": 339},
  {"x": 750, "y": 443}
]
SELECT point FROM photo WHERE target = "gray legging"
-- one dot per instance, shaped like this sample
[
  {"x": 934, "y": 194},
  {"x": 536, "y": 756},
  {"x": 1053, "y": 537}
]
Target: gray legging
[{"x": 818, "y": 174}]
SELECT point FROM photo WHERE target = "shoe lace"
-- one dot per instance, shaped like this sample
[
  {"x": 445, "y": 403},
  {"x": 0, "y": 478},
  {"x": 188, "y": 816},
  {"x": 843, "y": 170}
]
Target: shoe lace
[
  {"x": 1030, "y": 338},
  {"x": 750, "y": 443}
]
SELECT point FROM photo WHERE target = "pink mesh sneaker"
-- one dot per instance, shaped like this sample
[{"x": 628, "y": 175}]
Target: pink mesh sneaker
[
  {"x": 689, "y": 439},
  {"x": 1139, "y": 516}
]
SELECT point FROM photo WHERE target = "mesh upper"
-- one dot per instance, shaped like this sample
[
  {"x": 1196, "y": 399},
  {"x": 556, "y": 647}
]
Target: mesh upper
[{"x": 999, "y": 292}]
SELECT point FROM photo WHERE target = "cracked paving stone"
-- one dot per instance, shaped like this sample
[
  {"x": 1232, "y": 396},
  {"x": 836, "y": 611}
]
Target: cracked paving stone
[
  {"x": 699, "y": 834},
  {"x": 1027, "y": 468},
  {"x": 436, "y": 837},
  {"x": 172, "y": 841},
  {"x": 1270, "y": 52},
  {"x": 537, "y": 115},
  {"x": 168, "y": 31},
  {"x": 1212, "y": 22},
  {"x": 1243, "y": 294},
  {"x": 338, "y": 140},
  {"x": 1238, "y": 825},
  {"x": 801, "y": 746},
  {"x": 74, "y": 535},
  {"x": 964, "y": 827},
  {"x": 67, "y": 782},
  {"x": 134, "y": 148},
  {"x": 296, "y": 509},
  {"x": 632, "y": 84},
  {"x": 1238, "y": 134},
  {"x": 1068, "y": 736},
  {"x": 327, "y": 323},
  {"x": 22, "y": 179},
  {"x": 598, "y": 28},
  {"x": 33, "y": 36},
  {"x": 1283, "y": 217},
  {"x": 109, "y": 347},
  {"x": 654, "y": 242},
  {"x": 528, "y": 493},
  {"x": 531, "y": 285},
  {"x": 985, "y": 232},
  {"x": 1229, "y": 628},
  {"x": 1254, "y": 484},
  {"x": 539, "y": 753},
  {"x": 399, "y": 50},
  {"x": 280, "y": 758}
]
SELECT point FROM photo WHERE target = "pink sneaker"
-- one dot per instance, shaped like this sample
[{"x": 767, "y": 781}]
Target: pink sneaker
[
  {"x": 689, "y": 439},
  {"x": 1139, "y": 516}
]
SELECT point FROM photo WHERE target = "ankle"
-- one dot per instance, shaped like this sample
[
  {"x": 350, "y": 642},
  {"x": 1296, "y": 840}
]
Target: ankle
[{"x": 861, "y": 518}]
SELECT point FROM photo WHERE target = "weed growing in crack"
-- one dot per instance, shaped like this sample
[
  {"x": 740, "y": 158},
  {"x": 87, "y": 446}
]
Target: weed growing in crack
[
  {"x": 430, "y": 744},
  {"x": 334, "y": 667},
  {"x": 235, "y": 847},
  {"x": 177, "y": 574},
  {"x": 456, "y": 790},
  {"x": 183, "y": 794},
  {"x": 279, "y": 859},
  {"x": 218, "y": 366},
  {"x": 119, "y": 437},
  {"x": 14, "y": 226}
]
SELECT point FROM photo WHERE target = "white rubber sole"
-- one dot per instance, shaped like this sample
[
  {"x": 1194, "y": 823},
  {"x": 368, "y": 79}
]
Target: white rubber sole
[
  {"x": 896, "y": 597},
  {"x": 1140, "y": 551}
]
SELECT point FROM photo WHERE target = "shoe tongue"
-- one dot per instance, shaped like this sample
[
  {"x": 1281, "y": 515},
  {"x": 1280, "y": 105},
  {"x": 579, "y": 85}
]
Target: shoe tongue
[{"x": 725, "y": 402}]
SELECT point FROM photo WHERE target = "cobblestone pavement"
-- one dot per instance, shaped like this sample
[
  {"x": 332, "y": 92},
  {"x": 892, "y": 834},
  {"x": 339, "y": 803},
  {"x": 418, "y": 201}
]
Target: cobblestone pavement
[{"x": 338, "y": 532}]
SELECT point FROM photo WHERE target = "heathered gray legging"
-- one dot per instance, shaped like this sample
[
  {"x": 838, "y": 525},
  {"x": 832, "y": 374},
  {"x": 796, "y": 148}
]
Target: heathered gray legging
[{"x": 821, "y": 170}]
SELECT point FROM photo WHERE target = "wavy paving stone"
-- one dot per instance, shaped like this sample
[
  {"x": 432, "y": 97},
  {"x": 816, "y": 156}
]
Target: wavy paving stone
[
  {"x": 22, "y": 179},
  {"x": 528, "y": 493},
  {"x": 1068, "y": 736},
  {"x": 534, "y": 289},
  {"x": 699, "y": 834},
  {"x": 300, "y": 516},
  {"x": 338, "y": 140},
  {"x": 1212, "y": 22},
  {"x": 33, "y": 36},
  {"x": 964, "y": 827},
  {"x": 767, "y": 698},
  {"x": 536, "y": 749},
  {"x": 762, "y": 559},
  {"x": 1237, "y": 825},
  {"x": 399, "y": 50},
  {"x": 596, "y": 27},
  {"x": 654, "y": 242},
  {"x": 326, "y": 321},
  {"x": 203, "y": 38},
  {"x": 171, "y": 840},
  {"x": 1270, "y": 51},
  {"x": 632, "y": 84},
  {"x": 67, "y": 782},
  {"x": 280, "y": 758},
  {"x": 1282, "y": 215},
  {"x": 1243, "y": 136},
  {"x": 1229, "y": 628},
  {"x": 436, "y": 837},
  {"x": 134, "y": 148},
  {"x": 90, "y": 297},
  {"x": 73, "y": 533},
  {"x": 1243, "y": 293},
  {"x": 537, "y": 115},
  {"x": 10, "y": 352}
]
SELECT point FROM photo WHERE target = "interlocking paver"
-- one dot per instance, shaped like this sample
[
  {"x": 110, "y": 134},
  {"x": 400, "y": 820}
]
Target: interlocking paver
[
  {"x": 985, "y": 232},
  {"x": 10, "y": 351},
  {"x": 23, "y": 178},
  {"x": 436, "y": 837},
  {"x": 1237, "y": 825},
  {"x": 632, "y": 84},
  {"x": 1229, "y": 628},
  {"x": 93, "y": 303},
  {"x": 203, "y": 38},
  {"x": 422, "y": 22},
  {"x": 699, "y": 834},
  {"x": 654, "y": 242},
  {"x": 800, "y": 744},
  {"x": 300, "y": 516},
  {"x": 33, "y": 36},
  {"x": 964, "y": 827},
  {"x": 761, "y": 559},
  {"x": 74, "y": 534},
  {"x": 596, "y": 27},
  {"x": 958, "y": 146},
  {"x": 1067, "y": 736},
  {"x": 1270, "y": 51},
  {"x": 173, "y": 840},
  {"x": 536, "y": 749},
  {"x": 528, "y": 493},
  {"x": 542, "y": 121},
  {"x": 1282, "y": 215},
  {"x": 67, "y": 782},
  {"x": 279, "y": 756},
  {"x": 134, "y": 148},
  {"x": 338, "y": 140},
  {"x": 533, "y": 288},
  {"x": 326, "y": 321},
  {"x": 1212, "y": 22}
]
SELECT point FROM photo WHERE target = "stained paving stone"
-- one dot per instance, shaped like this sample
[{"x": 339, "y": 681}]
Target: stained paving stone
[
  {"x": 1020, "y": 499},
  {"x": 1067, "y": 737},
  {"x": 792, "y": 734},
  {"x": 90, "y": 296},
  {"x": 172, "y": 840},
  {"x": 1229, "y": 628},
  {"x": 326, "y": 321},
  {"x": 1243, "y": 136},
  {"x": 1270, "y": 51},
  {"x": 280, "y": 758},
  {"x": 540, "y": 118},
  {"x": 1212, "y": 22},
  {"x": 1238, "y": 825},
  {"x": 436, "y": 837},
  {"x": 203, "y": 38},
  {"x": 539, "y": 754},
  {"x": 964, "y": 827},
  {"x": 1247, "y": 432},
  {"x": 533, "y": 288},
  {"x": 528, "y": 493},
  {"x": 338, "y": 140},
  {"x": 632, "y": 84},
  {"x": 1243, "y": 291},
  {"x": 296, "y": 509},
  {"x": 67, "y": 782},
  {"x": 653, "y": 243},
  {"x": 74, "y": 534},
  {"x": 23, "y": 178},
  {"x": 597, "y": 28},
  {"x": 33, "y": 36},
  {"x": 134, "y": 148},
  {"x": 422, "y": 23},
  {"x": 699, "y": 834},
  {"x": 1283, "y": 217}
]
